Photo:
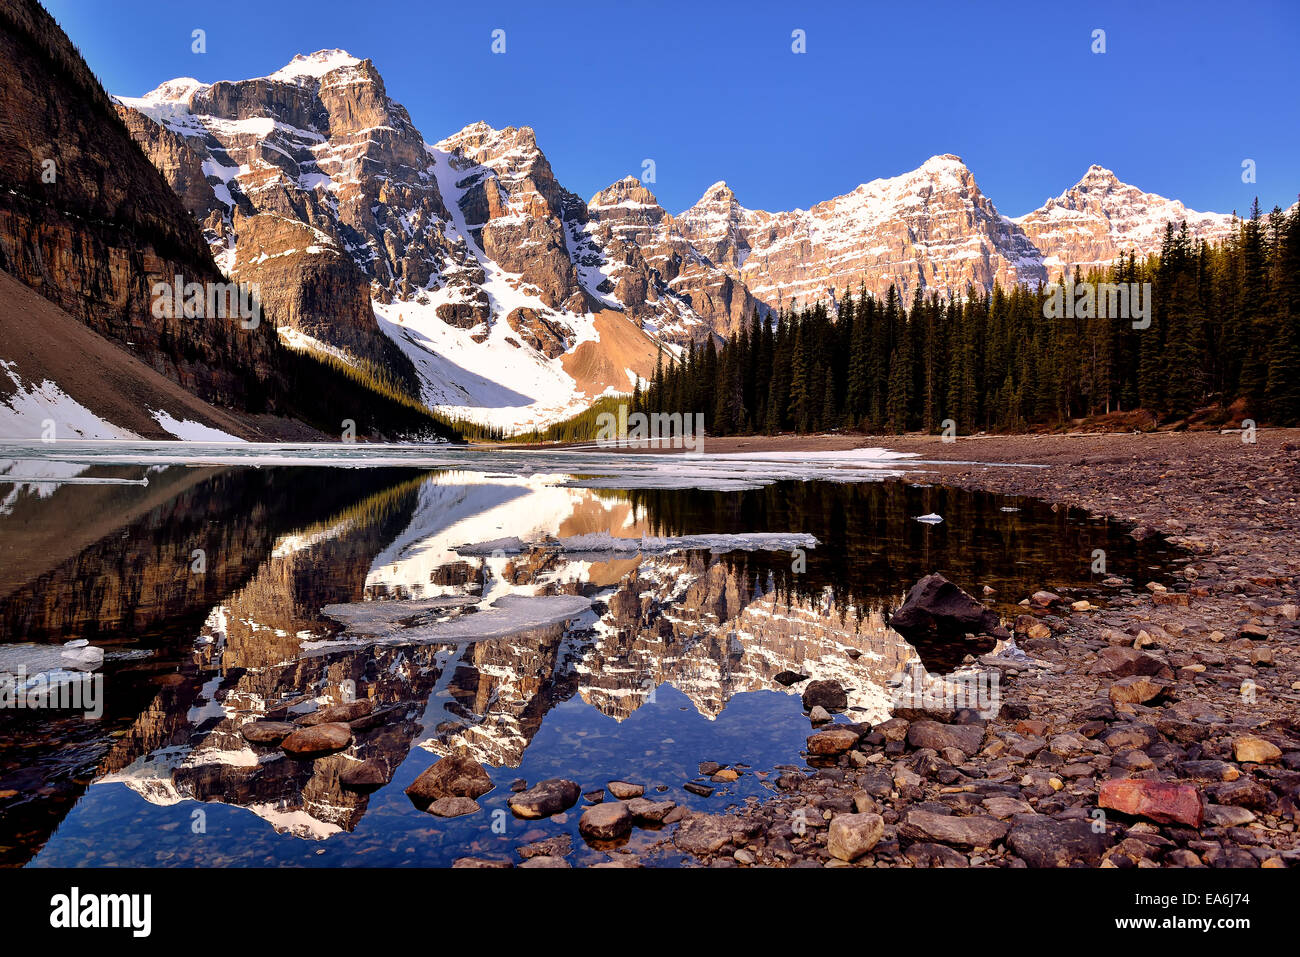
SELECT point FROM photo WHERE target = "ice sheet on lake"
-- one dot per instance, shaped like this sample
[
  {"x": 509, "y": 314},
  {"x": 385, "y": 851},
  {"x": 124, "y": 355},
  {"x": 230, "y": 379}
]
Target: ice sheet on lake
[
  {"x": 602, "y": 543},
  {"x": 382, "y": 617},
  {"x": 388, "y": 622},
  {"x": 583, "y": 467}
]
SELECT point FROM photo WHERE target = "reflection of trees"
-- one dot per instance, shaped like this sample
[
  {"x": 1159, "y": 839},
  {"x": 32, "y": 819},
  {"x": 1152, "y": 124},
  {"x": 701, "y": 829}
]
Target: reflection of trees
[{"x": 872, "y": 550}]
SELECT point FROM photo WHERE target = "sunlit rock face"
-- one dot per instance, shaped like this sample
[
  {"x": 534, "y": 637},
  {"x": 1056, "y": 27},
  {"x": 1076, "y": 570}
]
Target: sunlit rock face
[
  {"x": 928, "y": 229},
  {"x": 1098, "y": 218}
]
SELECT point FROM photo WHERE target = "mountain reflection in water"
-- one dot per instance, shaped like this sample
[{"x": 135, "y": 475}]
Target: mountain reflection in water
[{"x": 662, "y": 661}]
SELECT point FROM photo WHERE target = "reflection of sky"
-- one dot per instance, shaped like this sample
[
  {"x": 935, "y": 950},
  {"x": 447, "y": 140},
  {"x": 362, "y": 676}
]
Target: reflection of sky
[{"x": 662, "y": 743}]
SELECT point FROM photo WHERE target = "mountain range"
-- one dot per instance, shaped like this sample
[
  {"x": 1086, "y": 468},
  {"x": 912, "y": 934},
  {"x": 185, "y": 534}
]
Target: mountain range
[
  {"x": 461, "y": 272},
  {"x": 516, "y": 301}
]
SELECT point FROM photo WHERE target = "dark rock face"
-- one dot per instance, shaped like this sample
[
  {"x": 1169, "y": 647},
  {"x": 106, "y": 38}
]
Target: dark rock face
[
  {"x": 976, "y": 830},
  {"x": 703, "y": 833},
  {"x": 96, "y": 239},
  {"x": 267, "y": 732},
  {"x": 1122, "y": 662},
  {"x": 1044, "y": 842},
  {"x": 348, "y": 711},
  {"x": 937, "y": 607},
  {"x": 453, "y": 807},
  {"x": 179, "y": 165},
  {"x": 543, "y": 335},
  {"x": 364, "y": 777},
  {"x": 827, "y": 694},
  {"x": 931, "y": 734}
]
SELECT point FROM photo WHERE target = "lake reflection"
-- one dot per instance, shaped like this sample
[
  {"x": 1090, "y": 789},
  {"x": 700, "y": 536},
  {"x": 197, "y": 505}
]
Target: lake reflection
[{"x": 227, "y": 596}]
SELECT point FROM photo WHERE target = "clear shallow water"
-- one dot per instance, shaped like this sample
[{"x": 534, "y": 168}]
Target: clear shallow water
[{"x": 673, "y": 662}]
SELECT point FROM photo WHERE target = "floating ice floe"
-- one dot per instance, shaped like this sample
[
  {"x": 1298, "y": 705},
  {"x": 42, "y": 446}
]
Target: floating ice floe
[
  {"x": 29, "y": 658},
  {"x": 412, "y": 622},
  {"x": 602, "y": 543}
]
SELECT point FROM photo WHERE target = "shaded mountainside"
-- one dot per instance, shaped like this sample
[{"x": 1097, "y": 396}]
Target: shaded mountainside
[
  {"x": 53, "y": 367},
  {"x": 96, "y": 238}
]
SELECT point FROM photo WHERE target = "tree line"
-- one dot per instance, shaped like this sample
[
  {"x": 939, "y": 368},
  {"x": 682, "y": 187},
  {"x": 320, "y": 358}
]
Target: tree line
[{"x": 1221, "y": 331}]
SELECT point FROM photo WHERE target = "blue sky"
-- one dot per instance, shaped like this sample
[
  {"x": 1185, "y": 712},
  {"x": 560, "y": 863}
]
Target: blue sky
[{"x": 710, "y": 90}]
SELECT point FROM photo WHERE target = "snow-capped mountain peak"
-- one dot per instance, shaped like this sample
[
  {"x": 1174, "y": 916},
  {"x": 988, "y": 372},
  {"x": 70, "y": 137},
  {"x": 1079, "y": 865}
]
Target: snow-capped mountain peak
[
  {"x": 1097, "y": 176},
  {"x": 313, "y": 65},
  {"x": 179, "y": 90},
  {"x": 497, "y": 284},
  {"x": 1099, "y": 217}
]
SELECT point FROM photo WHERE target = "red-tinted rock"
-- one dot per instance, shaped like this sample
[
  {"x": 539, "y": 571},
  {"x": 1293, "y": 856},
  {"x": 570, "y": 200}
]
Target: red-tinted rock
[
  {"x": 832, "y": 741},
  {"x": 1160, "y": 801}
]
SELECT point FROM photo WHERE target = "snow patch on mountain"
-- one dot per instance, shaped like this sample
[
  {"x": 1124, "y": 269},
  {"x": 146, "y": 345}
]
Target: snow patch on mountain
[
  {"x": 30, "y": 409},
  {"x": 314, "y": 65}
]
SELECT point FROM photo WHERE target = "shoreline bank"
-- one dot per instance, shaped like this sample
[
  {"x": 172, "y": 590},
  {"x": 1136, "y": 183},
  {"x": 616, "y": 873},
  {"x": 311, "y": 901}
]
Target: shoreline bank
[{"x": 1158, "y": 730}]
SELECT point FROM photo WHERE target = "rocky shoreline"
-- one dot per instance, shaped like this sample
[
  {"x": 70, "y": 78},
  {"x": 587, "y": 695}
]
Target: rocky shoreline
[
  {"x": 1139, "y": 724},
  {"x": 1155, "y": 727}
]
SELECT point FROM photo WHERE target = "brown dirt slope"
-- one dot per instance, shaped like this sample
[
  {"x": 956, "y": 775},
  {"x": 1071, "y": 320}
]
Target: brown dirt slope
[
  {"x": 46, "y": 343},
  {"x": 597, "y": 366}
]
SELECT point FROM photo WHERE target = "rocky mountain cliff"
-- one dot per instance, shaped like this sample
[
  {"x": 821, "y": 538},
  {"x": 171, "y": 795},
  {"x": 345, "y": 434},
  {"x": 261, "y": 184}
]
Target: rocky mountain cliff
[
  {"x": 88, "y": 223},
  {"x": 470, "y": 256},
  {"x": 1099, "y": 217},
  {"x": 466, "y": 257},
  {"x": 931, "y": 228},
  {"x": 109, "y": 239}
]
